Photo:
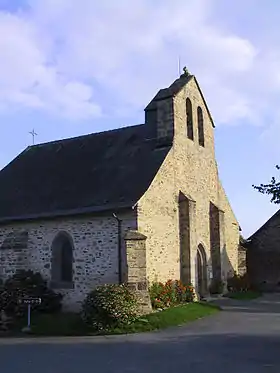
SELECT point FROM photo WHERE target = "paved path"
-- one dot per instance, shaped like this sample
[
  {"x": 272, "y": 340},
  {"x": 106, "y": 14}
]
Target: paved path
[{"x": 245, "y": 338}]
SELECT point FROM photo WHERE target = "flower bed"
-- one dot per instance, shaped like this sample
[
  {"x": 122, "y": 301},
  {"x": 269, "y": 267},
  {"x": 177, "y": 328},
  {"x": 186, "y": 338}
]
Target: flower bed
[{"x": 171, "y": 293}]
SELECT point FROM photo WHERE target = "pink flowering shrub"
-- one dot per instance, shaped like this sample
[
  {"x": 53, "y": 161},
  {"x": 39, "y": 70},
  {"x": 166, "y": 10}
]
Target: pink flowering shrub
[{"x": 109, "y": 306}]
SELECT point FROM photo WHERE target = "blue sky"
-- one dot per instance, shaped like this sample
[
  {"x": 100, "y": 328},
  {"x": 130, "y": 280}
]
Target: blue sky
[{"x": 69, "y": 68}]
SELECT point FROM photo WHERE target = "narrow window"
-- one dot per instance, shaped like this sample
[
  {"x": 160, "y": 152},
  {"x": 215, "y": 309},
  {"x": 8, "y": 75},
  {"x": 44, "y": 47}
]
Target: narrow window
[
  {"x": 66, "y": 261},
  {"x": 200, "y": 126},
  {"x": 189, "y": 118},
  {"x": 62, "y": 261}
]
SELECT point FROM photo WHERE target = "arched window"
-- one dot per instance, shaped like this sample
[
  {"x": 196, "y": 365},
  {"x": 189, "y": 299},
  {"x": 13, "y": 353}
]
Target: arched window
[
  {"x": 200, "y": 125},
  {"x": 189, "y": 119},
  {"x": 62, "y": 261}
]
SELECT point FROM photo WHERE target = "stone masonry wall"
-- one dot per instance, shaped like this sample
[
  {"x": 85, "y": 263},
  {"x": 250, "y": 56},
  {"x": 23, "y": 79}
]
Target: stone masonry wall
[
  {"x": 95, "y": 250},
  {"x": 191, "y": 169},
  {"x": 242, "y": 260},
  {"x": 263, "y": 256}
]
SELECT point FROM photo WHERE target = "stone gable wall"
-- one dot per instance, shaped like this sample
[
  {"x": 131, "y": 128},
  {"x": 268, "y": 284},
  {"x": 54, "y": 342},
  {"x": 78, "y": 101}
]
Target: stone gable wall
[
  {"x": 191, "y": 169},
  {"x": 267, "y": 238},
  {"x": 95, "y": 250},
  {"x": 263, "y": 256}
]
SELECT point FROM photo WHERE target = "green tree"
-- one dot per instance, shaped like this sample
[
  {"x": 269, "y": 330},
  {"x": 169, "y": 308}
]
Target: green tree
[{"x": 272, "y": 189}]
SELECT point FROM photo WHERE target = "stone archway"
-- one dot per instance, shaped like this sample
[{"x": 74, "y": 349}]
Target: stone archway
[{"x": 201, "y": 265}]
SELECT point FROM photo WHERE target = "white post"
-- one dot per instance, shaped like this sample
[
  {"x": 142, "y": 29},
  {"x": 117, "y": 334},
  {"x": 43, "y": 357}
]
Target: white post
[{"x": 28, "y": 315}]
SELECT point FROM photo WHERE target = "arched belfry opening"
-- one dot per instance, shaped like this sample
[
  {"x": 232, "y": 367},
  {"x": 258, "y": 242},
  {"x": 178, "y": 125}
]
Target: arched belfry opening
[
  {"x": 200, "y": 126},
  {"x": 189, "y": 119}
]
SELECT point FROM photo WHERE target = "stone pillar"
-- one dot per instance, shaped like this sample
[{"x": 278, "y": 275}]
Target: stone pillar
[
  {"x": 223, "y": 251},
  {"x": 215, "y": 247},
  {"x": 185, "y": 249},
  {"x": 135, "y": 243},
  {"x": 187, "y": 223},
  {"x": 218, "y": 244},
  {"x": 193, "y": 241}
]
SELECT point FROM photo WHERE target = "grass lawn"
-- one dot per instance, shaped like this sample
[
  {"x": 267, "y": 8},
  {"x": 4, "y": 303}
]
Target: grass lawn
[
  {"x": 244, "y": 295},
  {"x": 170, "y": 317},
  {"x": 69, "y": 324}
]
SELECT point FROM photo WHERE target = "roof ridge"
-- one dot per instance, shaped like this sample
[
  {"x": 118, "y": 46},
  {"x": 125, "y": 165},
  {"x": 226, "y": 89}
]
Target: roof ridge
[
  {"x": 181, "y": 78},
  {"x": 264, "y": 224},
  {"x": 82, "y": 136}
]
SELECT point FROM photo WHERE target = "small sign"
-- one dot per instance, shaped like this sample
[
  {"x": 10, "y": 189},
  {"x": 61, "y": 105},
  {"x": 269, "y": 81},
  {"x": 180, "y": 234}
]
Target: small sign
[{"x": 30, "y": 301}]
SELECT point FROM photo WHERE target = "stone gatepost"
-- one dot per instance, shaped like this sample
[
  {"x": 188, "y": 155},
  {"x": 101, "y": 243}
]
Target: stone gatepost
[{"x": 135, "y": 243}]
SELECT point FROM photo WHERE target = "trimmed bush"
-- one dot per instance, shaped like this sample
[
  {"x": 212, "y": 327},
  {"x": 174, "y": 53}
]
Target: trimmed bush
[
  {"x": 27, "y": 284},
  {"x": 171, "y": 293},
  {"x": 109, "y": 306}
]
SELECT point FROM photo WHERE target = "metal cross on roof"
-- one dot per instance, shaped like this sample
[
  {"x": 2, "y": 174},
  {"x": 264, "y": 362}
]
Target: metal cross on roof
[{"x": 33, "y": 133}]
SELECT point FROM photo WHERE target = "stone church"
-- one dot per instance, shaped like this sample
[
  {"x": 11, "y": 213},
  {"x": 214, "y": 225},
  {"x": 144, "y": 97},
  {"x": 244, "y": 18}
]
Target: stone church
[{"x": 134, "y": 205}]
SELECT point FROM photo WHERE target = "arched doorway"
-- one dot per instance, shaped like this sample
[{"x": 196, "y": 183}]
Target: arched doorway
[{"x": 201, "y": 265}]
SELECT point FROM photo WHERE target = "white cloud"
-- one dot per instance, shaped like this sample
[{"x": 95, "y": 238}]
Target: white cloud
[
  {"x": 28, "y": 78},
  {"x": 53, "y": 50}
]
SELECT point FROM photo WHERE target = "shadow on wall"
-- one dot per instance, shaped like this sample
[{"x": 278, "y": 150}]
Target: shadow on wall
[
  {"x": 218, "y": 278},
  {"x": 264, "y": 269},
  {"x": 209, "y": 279},
  {"x": 222, "y": 267},
  {"x": 209, "y": 272},
  {"x": 228, "y": 269}
]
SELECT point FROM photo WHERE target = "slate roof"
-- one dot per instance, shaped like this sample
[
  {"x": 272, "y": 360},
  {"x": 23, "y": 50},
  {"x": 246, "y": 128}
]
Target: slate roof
[{"x": 92, "y": 173}]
